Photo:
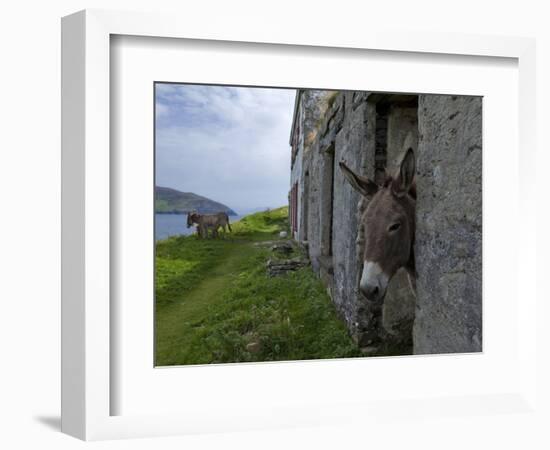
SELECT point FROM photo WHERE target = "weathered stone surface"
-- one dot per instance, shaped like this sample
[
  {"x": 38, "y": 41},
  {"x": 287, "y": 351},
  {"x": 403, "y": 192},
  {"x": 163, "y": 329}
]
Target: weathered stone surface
[
  {"x": 402, "y": 134},
  {"x": 399, "y": 306},
  {"x": 449, "y": 221},
  {"x": 281, "y": 267},
  {"x": 311, "y": 109},
  {"x": 272, "y": 243},
  {"x": 282, "y": 247},
  {"x": 350, "y": 146}
]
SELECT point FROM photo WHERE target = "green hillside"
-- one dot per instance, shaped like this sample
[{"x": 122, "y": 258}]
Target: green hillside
[
  {"x": 171, "y": 201},
  {"x": 215, "y": 302}
]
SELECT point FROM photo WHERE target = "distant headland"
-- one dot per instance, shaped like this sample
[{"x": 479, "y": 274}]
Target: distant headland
[{"x": 171, "y": 201}]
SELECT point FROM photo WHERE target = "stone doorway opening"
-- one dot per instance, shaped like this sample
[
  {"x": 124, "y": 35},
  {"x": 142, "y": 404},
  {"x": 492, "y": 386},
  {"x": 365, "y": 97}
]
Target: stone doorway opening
[{"x": 395, "y": 118}]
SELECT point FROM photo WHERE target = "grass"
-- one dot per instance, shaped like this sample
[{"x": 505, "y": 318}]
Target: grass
[{"x": 215, "y": 302}]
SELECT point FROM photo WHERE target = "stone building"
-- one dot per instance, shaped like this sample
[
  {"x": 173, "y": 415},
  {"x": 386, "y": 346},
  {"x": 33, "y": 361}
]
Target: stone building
[{"x": 370, "y": 131}]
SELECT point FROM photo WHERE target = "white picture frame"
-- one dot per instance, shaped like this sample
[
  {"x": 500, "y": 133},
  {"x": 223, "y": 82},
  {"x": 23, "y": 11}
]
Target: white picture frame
[{"x": 87, "y": 386}]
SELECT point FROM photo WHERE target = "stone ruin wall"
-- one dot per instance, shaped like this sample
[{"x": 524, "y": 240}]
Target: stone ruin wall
[
  {"x": 449, "y": 225},
  {"x": 439, "y": 129}
]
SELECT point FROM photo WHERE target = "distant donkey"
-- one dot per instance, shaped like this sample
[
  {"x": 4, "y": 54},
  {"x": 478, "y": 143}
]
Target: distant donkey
[
  {"x": 389, "y": 224},
  {"x": 207, "y": 222}
]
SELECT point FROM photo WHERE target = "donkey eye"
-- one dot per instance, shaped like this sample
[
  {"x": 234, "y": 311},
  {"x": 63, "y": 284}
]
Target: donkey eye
[{"x": 394, "y": 226}]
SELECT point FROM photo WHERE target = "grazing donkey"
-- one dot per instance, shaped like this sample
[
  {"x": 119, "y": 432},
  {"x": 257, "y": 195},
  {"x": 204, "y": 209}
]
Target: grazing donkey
[
  {"x": 389, "y": 226},
  {"x": 207, "y": 222}
]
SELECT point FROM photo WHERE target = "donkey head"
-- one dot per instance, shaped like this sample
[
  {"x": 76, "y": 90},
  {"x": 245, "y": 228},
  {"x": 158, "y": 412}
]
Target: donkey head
[
  {"x": 389, "y": 226},
  {"x": 191, "y": 218}
]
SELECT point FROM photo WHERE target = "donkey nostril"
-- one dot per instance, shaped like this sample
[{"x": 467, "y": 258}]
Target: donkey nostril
[{"x": 371, "y": 292}]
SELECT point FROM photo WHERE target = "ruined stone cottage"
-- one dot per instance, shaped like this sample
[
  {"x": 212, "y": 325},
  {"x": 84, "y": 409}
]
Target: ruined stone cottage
[{"x": 370, "y": 131}]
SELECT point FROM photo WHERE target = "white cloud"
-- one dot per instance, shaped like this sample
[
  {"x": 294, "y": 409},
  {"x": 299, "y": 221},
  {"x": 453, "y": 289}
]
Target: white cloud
[
  {"x": 161, "y": 110},
  {"x": 229, "y": 144}
]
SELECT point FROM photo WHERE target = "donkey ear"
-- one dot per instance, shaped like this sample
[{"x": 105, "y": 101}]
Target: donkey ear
[
  {"x": 404, "y": 180},
  {"x": 361, "y": 184}
]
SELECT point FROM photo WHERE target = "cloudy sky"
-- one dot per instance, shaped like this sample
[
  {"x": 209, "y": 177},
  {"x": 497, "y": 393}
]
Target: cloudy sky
[{"x": 229, "y": 144}]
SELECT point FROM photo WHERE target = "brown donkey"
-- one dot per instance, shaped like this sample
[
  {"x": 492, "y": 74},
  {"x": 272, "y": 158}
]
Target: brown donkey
[
  {"x": 389, "y": 227},
  {"x": 207, "y": 222}
]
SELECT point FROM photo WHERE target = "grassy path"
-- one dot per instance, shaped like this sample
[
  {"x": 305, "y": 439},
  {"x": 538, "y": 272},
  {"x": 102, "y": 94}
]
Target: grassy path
[
  {"x": 215, "y": 302},
  {"x": 178, "y": 322}
]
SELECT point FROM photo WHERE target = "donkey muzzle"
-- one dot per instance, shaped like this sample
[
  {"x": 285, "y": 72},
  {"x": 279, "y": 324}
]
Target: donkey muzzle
[
  {"x": 373, "y": 282},
  {"x": 370, "y": 291}
]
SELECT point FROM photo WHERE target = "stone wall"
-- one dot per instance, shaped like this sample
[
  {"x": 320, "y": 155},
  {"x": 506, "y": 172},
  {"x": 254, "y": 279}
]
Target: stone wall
[
  {"x": 330, "y": 205},
  {"x": 311, "y": 108},
  {"x": 449, "y": 225},
  {"x": 446, "y": 135},
  {"x": 332, "y": 210},
  {"x": 350, "y": 145}
]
